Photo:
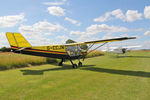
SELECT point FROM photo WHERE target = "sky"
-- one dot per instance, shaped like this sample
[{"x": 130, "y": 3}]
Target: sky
[{"x": 46, "y": 22}]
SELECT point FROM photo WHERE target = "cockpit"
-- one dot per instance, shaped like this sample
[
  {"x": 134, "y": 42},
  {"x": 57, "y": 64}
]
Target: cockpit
[{"x": 73, "y": 50}]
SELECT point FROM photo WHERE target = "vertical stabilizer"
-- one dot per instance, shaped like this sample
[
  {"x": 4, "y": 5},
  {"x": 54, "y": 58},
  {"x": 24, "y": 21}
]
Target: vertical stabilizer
[{"x": 17, "y": 40}]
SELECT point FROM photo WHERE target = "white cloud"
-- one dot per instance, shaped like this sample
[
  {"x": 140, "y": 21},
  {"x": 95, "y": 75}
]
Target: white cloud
[
  {"x": 118, "y": 14},
  {"x": 56, "y": 3},
  {"x": 11, "y": 20},
  {"x": 53, "y": 3},
  {"x": 82, "y": 36},
  {"x": 37, "y": 32},
  {"x": 146, "y": 44},
  {"x": 86, "y": 37},
  {"x": 147, "y": 12},
  {"x": 56, "y": 11},
  {"x": 103, "y": 18},
  {"x": 108, "y": 36},
  {"x": 94, "y": 29},
  {"x": 133, "y": 15},
  {"x": 3, "y": 40},
  {"x": 77, "y": 23},
  {"x": 111, "y": 35},
  {"x": 130, "y": 16},
  {"x": 137, "y": 30},
  {"x": 124, "y": 35},
  {"x": 147, "y": 33},
  {"x": 41, "y": 27},
  {"x": 77, "y": 33},
  {"x": 62, "y": 38}
]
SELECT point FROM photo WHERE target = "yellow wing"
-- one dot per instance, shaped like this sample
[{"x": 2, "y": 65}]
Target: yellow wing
[
  {"x": 101, "y": 41},
  {"x": 17, "y": 40}
]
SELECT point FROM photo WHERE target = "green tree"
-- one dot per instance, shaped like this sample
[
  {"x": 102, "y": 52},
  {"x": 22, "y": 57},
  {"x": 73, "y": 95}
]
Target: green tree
[
  {"x": 5, "y": 49},
  {"x": 70, "y": 41}
]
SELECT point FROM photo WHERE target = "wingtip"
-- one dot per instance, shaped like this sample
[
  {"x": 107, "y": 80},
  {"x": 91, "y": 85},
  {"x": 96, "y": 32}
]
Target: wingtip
[{"x": 131, "y": 37}]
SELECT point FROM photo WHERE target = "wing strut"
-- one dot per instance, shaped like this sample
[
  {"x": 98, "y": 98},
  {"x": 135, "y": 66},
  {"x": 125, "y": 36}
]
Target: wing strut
[
  {"x": 98, "y": 47},
  {"x": 90, "y": 46},
  {"x": 93, "y": 49}
]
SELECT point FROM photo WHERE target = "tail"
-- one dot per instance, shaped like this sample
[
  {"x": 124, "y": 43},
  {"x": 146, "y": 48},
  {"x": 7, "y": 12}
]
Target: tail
[{"x": 16, "y": 40}]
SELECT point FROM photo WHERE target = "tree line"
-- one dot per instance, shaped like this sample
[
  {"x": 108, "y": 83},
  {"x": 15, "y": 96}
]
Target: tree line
[{"x": 5, "y": 49}]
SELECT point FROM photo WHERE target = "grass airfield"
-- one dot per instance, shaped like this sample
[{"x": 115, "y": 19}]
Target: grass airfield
[{"x": 101, "y": 78}]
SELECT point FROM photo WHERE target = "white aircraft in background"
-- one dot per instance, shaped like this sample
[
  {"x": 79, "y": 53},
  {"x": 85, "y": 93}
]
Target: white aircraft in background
[{"x": 121, "y": 50}]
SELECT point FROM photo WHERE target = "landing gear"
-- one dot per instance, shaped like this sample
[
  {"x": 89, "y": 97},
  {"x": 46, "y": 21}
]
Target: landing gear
[
  {"x": 74, "y": 66},
  {"x": 80, "y": 64},
  {"x": 61, "y": 63}
]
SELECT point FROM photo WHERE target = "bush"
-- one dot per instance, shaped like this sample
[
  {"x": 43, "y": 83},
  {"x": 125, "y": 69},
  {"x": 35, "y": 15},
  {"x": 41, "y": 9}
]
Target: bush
[
  {"x": 51, "y": 60},
  {"x": 95, "y": 53}
]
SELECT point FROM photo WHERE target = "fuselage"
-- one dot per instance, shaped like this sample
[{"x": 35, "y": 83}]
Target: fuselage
[{"x": 54, "y": 51}]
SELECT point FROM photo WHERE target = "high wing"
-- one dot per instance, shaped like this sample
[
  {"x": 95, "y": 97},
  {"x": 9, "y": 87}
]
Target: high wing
[
  {"x": 16, "y": 39},
  {"x": 101, "y": 41}
]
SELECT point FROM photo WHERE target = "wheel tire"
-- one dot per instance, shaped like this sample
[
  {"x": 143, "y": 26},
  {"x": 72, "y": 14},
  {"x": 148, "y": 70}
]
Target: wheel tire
[
  {"x": 74, "y": 66},
  {"x": 80, "y": 64},
  {"x": 60, "y": 64}
]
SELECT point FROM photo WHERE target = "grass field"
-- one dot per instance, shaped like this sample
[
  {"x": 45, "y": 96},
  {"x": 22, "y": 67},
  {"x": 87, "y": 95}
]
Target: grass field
[{"x": 101, "y": 78}]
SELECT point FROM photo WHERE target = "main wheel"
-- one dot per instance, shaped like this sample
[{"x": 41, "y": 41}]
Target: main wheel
[
  {"x": 80, "y": 64},
  {"x": 74, "y": 65},
  {"x": 60, "y": 64}
]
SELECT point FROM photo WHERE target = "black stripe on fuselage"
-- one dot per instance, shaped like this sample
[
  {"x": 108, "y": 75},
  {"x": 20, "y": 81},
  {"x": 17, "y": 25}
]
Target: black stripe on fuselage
[
  {"x": 37, "y": 50},
  {"x": 51, "y": 55}
]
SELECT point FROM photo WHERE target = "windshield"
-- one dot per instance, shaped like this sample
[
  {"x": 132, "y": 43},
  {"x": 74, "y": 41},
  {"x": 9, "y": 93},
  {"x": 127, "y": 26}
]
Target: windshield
[{"x": 73, "y": 50}]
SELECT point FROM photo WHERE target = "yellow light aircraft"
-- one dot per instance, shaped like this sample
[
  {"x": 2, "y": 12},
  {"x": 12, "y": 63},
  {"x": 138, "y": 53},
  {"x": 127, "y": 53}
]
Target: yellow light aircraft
[{"x": 67, "y": 51}]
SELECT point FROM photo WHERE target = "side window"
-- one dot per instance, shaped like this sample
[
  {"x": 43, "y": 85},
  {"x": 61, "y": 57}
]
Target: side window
[{"x": 73, "y": 50}]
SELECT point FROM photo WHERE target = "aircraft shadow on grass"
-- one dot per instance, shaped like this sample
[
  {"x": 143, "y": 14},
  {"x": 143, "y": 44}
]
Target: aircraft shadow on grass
[
  {"x": 41, "y": 72},
  {"x": 120, "y": 72},
  {"x": 89, "y": 68}
]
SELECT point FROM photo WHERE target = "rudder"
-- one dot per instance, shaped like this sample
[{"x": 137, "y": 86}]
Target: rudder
[{"x": 17, "y": 40}]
